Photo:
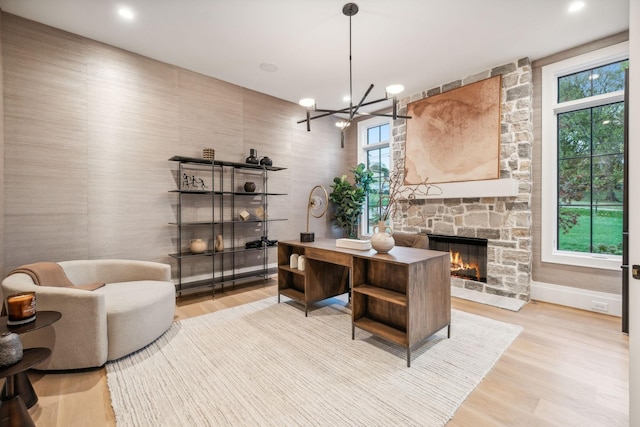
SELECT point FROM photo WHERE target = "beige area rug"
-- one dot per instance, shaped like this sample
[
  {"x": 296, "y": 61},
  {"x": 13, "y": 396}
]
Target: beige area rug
[
  {"x": 265, "y": 364},
  {"x": 488, "y": 299}
]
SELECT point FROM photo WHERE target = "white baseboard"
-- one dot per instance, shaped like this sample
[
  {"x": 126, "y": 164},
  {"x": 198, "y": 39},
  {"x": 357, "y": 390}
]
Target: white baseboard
[{"x": 598, "y": 302}]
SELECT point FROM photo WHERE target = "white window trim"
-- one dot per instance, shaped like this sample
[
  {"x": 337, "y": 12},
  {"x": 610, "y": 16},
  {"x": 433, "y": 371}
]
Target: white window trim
[
  {"x": 363, "y": 125},
  {"x": 550, "y": 109}
]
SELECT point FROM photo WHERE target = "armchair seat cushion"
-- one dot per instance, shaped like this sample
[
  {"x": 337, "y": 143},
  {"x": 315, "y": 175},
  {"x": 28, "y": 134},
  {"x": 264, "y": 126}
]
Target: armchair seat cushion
[{"x": 137, "y": 313}]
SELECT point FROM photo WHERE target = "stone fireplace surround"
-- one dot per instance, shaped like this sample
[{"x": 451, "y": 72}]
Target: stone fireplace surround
[{"x": 504, "y": 220}]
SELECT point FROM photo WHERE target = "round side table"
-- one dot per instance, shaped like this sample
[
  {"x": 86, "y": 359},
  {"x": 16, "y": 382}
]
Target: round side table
[
  {"x": 13, "y": 411},
  {"x": 21, "y": 384}
]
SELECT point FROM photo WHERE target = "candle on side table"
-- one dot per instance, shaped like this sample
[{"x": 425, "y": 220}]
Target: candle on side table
[{"x": 21, "y": 308}]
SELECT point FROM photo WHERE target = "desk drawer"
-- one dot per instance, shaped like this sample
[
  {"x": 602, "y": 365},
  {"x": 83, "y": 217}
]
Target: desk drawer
[{"x": 329, "y": 256}]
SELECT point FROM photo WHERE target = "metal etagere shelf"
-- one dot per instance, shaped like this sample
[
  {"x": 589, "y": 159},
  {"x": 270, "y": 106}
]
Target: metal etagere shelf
[{"x": 215, "y": 182}]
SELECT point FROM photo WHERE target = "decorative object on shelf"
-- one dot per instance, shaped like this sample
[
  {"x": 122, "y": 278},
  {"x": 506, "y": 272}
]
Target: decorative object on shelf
[
  {"x": 253, "y": 157},
  {"x": 249, "y": 187},
  {"x": 349, "y": 198},
  {"x": 382, "y": 240},
  {"x": 193, "y": 182},
  {"x": 361, "y": 245},
  {"x": 219, "y": 246},
  {"x": 21, "y": 308},
  {"x": 262, "y": 242},
  {"x": 244, "y": 215},
  {"x": 209, "y": 154},
  {"x": 350, "y": 9},
  {"x": 293, "y": 261},
  {"x": 197, "y": 246},
  {"x": 266, "y": 161},
  {"x": 261, "y": 213},
  {"x": 268, "y": 242},
  {"x": 316, "y": 206},
  {"x": 301, "y": 262},
  {"x": 10, "y": 348}
]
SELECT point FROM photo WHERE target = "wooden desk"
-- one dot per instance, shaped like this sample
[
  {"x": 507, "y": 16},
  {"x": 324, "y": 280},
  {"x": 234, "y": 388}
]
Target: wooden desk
[{"x": 403, "y": 296}]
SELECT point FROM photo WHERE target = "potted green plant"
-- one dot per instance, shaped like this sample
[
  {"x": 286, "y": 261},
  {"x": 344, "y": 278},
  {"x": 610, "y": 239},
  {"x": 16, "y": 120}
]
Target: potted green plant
[{"x": 349, "y": 198}]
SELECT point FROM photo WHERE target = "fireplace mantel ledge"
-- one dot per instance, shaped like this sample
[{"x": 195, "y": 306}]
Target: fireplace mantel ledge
[{"x": 507, "y": 187}]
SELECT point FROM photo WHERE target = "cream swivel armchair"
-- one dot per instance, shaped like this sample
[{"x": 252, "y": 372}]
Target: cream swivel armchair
[{"x": 134, "y": 307}]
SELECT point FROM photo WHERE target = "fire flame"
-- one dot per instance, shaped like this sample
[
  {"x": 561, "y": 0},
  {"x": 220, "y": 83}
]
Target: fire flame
[{"x": 457, "y": 263}]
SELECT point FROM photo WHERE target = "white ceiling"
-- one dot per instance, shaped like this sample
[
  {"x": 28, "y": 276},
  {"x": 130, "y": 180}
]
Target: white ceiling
[{"x": 419, "y": 43}]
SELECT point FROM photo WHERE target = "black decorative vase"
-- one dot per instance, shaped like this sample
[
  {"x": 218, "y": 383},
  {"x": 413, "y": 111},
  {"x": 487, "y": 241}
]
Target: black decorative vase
[
  {"x": 266, "y": 161},
  {"x": 253, "y": 157},
  {"x": 249, "y": 187}
]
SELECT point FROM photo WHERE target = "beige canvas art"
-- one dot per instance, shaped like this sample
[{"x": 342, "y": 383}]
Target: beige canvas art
[{"x": 455, "y": 136}]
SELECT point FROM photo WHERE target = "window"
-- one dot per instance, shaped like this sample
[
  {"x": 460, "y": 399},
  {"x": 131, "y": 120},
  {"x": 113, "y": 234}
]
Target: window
[
  {"x": 374, "y": 136},
  {"x": 582, "y": 158}
]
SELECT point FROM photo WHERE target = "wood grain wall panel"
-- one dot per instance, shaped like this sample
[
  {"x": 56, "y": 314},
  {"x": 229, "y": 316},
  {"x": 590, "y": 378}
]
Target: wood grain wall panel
[
  {"x": 132, "y": 121},
  {"x": 89, "y": 129},
  {"x": 29, "y": 238},
  {"x": 45, "y": 142},
  {"x": 210, "y": 116}
]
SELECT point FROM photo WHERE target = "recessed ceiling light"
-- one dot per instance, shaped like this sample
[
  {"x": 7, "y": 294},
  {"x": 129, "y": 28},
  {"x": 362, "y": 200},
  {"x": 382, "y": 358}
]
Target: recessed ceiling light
[
  {"x": 576, "y": 6},
  {"x": 269, "y": 68},
  {"x": 126, "y": 12}
]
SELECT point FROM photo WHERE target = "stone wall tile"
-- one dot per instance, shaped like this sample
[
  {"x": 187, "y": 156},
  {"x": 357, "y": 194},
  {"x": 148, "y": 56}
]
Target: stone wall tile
[
  {"x": 466, "y": 232},
  {"x": 488, "y": 233},
  {"x": 479, "y": 219},
  {"x": 434, "y": 91},
  {"x": 445, "y": 229},
  {"x": 451, "y": 85},
  {"x": 503, "y": 69}
]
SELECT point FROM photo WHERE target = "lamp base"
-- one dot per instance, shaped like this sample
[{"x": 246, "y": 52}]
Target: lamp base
[{"x": 307, "y": 237}]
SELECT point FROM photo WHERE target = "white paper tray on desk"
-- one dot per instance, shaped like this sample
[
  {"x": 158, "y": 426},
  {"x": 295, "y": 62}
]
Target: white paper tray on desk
[{"x": 362, "y": 245}]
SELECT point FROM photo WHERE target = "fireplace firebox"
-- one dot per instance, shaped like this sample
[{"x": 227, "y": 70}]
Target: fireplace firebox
[{"x": 468, "y": 255}]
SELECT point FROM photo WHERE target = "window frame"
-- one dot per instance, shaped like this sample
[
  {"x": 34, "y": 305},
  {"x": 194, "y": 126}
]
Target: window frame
[
  {"x": 363, "y": 149},
  {"x": 550, "y": 110}
]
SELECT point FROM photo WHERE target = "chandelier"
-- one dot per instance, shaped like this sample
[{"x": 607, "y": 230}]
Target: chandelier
[{"x": 350, "y": 9}]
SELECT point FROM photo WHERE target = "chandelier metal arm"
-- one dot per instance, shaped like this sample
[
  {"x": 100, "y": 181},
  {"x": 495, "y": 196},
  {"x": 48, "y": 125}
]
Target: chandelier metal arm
[{"x": 354, "y": 111}]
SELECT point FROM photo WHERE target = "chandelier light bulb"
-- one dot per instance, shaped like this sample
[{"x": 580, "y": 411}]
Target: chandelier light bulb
[
  {"x": 394, "y": 89},
  {"x": 342, "y": 124},
  {"x": 307, "y": 102}
]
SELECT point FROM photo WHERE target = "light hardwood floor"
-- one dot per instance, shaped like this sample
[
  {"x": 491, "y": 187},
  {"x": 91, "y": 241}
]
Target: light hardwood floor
[{"x": 567, "y": 368}]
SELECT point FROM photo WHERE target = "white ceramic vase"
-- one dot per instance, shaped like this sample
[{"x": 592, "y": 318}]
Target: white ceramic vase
[{"x": 382, "y": 241}]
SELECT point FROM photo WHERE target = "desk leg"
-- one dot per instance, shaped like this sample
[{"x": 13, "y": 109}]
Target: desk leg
[{"x": 22, "y": 387}]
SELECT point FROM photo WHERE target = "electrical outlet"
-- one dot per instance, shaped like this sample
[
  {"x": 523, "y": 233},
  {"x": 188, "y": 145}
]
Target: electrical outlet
[{"x": 600, "y": 306}]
